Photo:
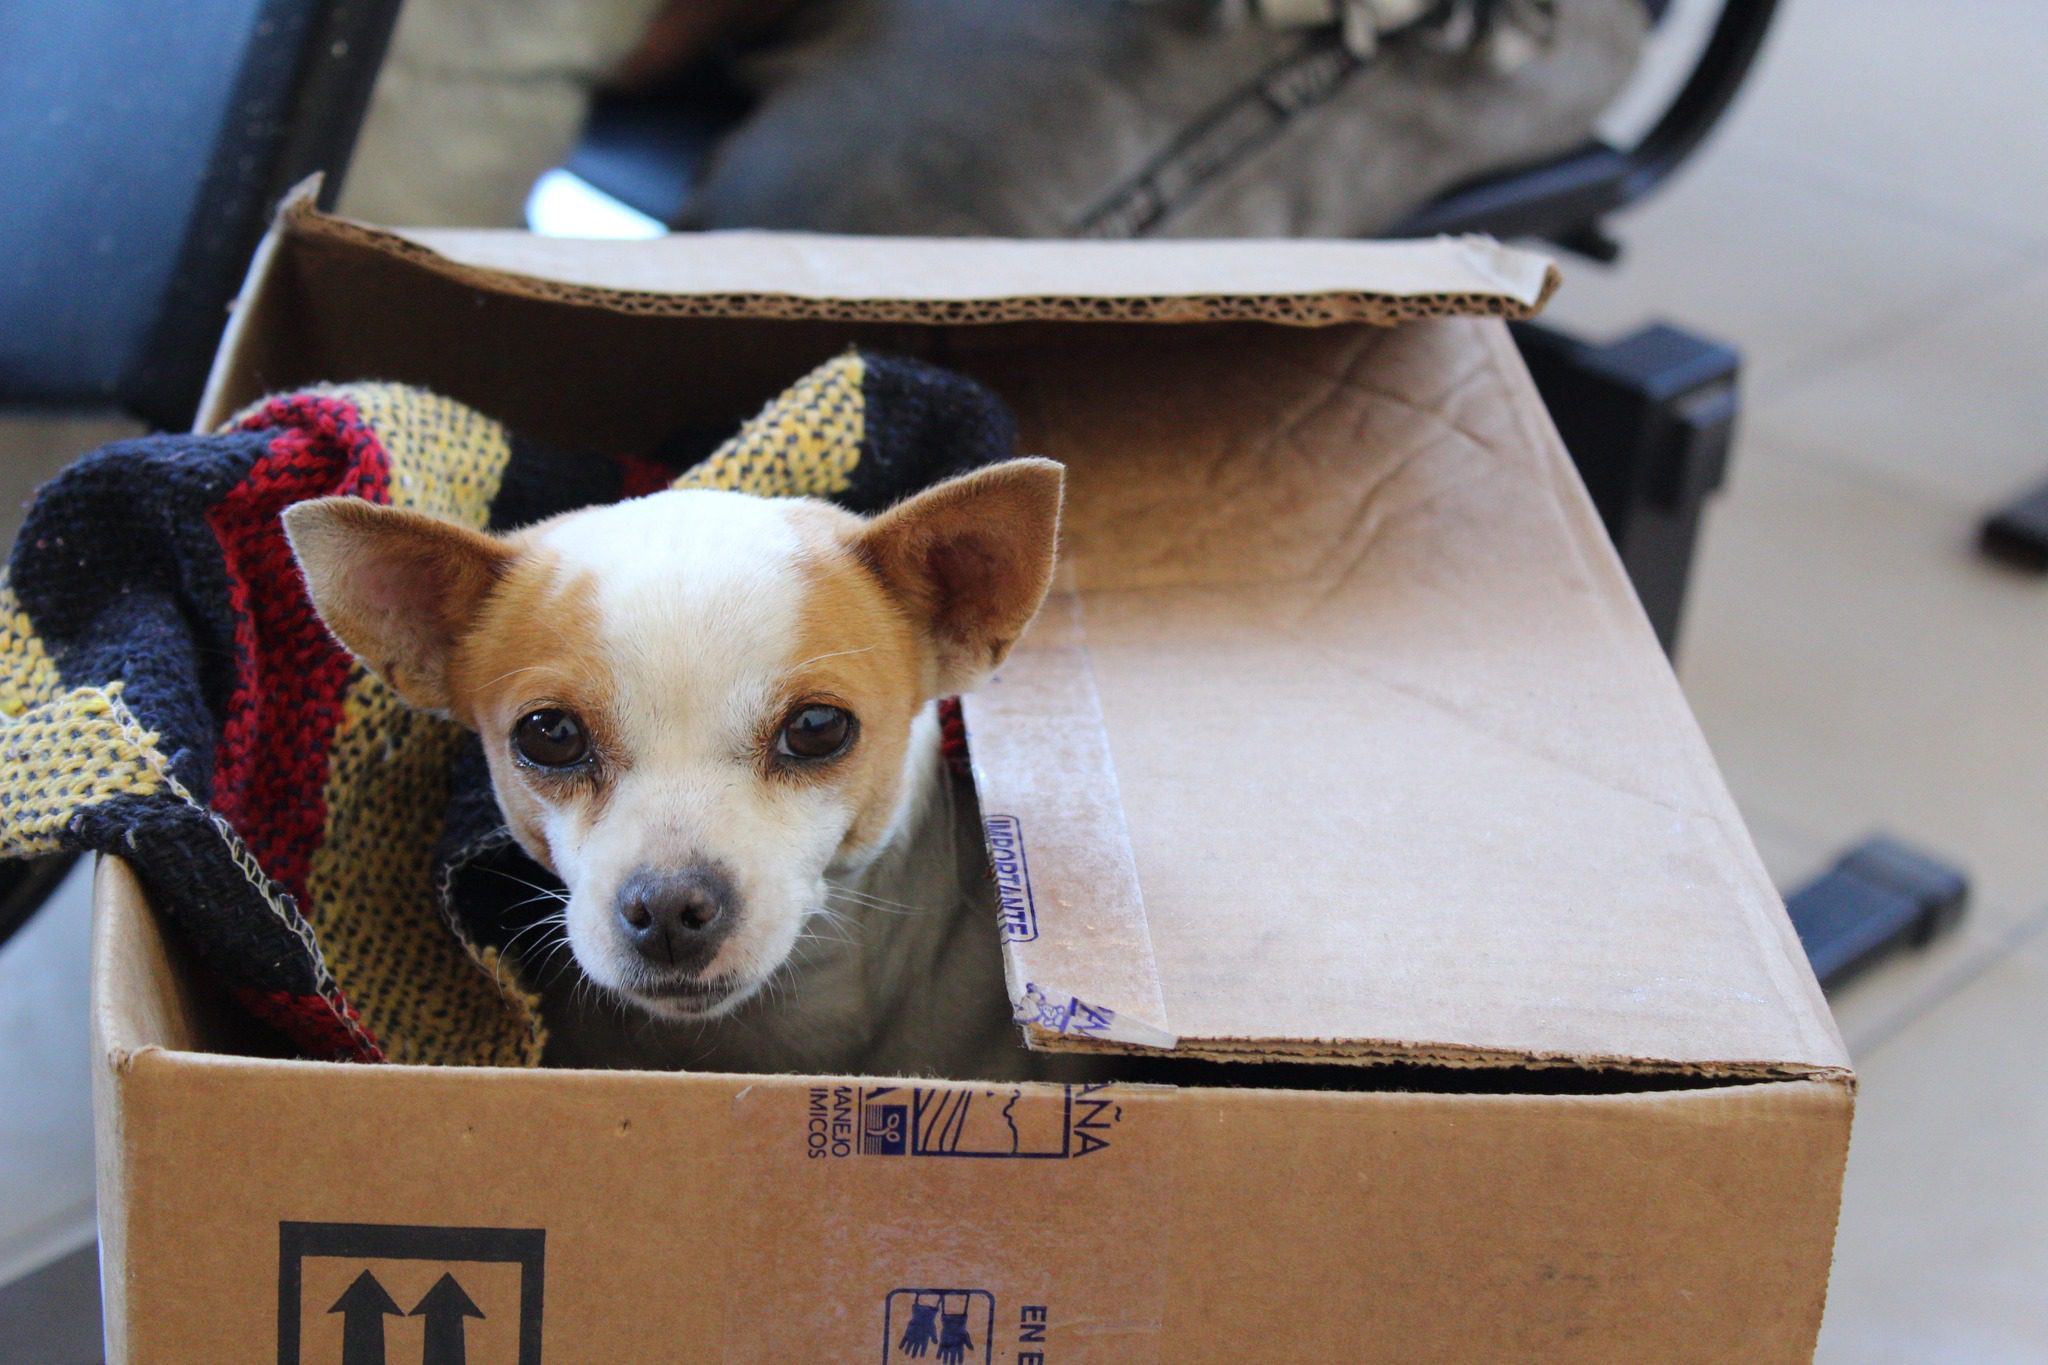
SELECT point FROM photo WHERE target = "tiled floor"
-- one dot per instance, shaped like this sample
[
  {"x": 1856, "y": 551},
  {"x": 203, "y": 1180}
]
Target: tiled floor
[
  {"x": 46, "y": 1197},
  {"x": 46, "y": 1186},
  {"x": 1872, "y": 230}
]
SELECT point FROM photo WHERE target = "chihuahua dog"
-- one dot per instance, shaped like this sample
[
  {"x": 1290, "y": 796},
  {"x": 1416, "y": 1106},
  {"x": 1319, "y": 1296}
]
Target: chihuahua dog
[{"x": 712, "y": 717}]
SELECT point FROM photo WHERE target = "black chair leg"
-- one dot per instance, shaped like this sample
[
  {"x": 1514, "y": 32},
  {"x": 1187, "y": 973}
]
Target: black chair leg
[
  {"x": 1649, "y": 421},
  {"x": 2017, "y": 534},
  {"x": 1879, "y": 896}
]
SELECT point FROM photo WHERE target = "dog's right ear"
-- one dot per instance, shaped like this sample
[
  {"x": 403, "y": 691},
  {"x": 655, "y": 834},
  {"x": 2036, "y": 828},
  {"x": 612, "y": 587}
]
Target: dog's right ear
[
  {"x": 397, "y": 587},
  {"x": 970, "y": 560}
]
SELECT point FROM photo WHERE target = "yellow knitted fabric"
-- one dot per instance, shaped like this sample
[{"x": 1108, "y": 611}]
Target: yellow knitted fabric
[
  {"x": 61, "y": 751},
  {"x": 804, "y": 444}
]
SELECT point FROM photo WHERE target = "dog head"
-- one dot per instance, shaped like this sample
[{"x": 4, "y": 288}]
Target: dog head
[{"x": 696, "y": 704}]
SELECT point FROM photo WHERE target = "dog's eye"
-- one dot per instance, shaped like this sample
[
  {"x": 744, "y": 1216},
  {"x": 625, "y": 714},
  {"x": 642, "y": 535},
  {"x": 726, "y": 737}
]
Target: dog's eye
[
  {"x": 552, "y": 738},
  {"x": 815, "y": 731}
]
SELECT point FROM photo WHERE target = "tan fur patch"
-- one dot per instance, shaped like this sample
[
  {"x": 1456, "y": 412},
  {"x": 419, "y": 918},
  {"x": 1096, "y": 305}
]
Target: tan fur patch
[
  {"x": 535, "y": 644},
  {"x": 856, "y": 647}
]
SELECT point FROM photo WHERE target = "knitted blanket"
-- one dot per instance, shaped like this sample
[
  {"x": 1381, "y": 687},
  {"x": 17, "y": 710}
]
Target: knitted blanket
[{"x": 334, "y": 859}]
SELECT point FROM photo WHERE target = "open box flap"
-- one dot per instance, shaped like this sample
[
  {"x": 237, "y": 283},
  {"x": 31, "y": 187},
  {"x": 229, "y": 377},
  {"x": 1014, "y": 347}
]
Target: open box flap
[
  {"x": 1402, "y": 770},
  {"x": 1346, "y": 738},
  {"x": 965, "y": 279}
]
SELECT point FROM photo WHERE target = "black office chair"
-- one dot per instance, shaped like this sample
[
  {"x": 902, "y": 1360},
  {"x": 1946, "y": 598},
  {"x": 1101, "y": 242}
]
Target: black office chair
[{"x": 143, "y": 146}]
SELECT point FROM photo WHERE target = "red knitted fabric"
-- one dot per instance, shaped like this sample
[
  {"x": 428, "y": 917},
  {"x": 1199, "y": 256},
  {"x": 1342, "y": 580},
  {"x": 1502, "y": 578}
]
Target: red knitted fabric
[{"x": 271, "y": 762}]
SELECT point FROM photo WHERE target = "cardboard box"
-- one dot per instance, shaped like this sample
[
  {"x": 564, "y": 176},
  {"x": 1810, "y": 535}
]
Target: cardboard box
[{"x": 1344, "y": 766}]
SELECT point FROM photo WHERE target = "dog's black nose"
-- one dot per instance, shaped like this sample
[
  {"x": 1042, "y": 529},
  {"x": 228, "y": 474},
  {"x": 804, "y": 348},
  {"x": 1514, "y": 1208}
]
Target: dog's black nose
[{"x": 677, "y": 918}]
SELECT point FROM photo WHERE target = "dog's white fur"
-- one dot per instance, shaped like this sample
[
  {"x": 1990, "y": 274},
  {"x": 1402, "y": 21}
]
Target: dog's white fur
[
  {"x": 900, "y": 974},
  {"x": 699, "y": 594}
]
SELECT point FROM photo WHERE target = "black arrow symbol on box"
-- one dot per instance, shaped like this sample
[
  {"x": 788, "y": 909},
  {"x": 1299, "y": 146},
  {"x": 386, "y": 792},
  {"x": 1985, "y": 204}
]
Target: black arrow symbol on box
[
  {"x": 444, "y": 1308},
  {"x": 364, "y": 1305}
]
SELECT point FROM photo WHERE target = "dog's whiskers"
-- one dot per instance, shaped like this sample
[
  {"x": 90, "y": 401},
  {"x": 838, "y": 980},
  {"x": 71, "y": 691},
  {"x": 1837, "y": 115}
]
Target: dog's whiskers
[
  {"x": 848, "y": 893},
  {"x": 535, "y": 900},
  {"x": 531, "y": 886},
  {"x": 845, "y": 890},
  {"x": 545, "y": 922},
  {"x": 551, "y": 956},
  {"x": 786, "y": 982},
  {"x": 862, "y": 900}
]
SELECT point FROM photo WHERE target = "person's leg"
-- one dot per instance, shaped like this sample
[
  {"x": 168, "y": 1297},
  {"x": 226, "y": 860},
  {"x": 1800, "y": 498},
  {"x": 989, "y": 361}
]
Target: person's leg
[
  {"x": 1415, "y": 122},
  {"x": 1065, "y": 117},
  {"x": 964, "y": 116}
]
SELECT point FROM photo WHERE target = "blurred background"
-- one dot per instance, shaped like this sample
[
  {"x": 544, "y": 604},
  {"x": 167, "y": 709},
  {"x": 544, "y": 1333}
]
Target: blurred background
[{"x": 1798, "y": 356}]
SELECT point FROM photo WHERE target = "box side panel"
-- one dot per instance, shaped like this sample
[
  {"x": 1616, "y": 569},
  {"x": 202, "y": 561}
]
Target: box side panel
[
  {"x": 842, "y": 286},
  {"x": 144, "y": 1002},
  {"x": 586, "y": 1210},
  {"x": 712, "y": 1218},
  {"x": 112, "y": 1172},
  {"x": 1676, "y": 1227},
  {"x": 110, "y": 1180}
]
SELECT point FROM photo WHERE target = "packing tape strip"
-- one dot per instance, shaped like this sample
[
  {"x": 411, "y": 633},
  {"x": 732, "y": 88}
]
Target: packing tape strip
[{"x": 1077, "y": 952}]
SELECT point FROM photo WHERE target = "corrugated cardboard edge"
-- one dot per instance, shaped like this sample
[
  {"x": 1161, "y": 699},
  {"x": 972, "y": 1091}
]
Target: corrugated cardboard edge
[
  {"x": 1450, "y": 277},
  {"x": 120, "y": 1037},
  {"x": 1455, "y": 277},
  {"x": 1384, "y": 1052}
]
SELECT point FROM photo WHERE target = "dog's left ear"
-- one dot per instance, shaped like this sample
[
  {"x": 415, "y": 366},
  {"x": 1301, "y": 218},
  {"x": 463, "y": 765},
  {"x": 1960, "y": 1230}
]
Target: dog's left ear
[
  {"x": 398, "y": 588},
  {"x": 971, "y": 560}
]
